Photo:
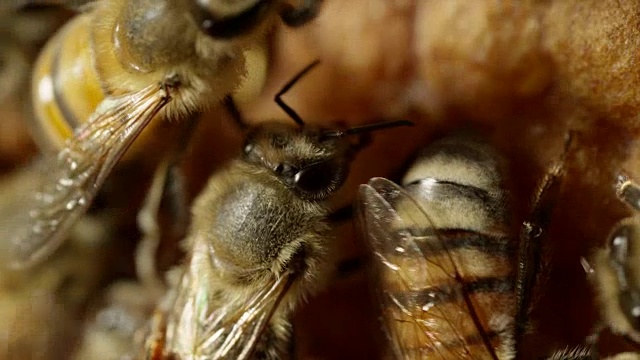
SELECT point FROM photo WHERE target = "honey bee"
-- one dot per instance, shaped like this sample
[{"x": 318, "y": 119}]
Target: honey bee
[
  {"x": 615, "y": 269},
  {"x": 40, "y": 307},
  {"x": 444, "y": 253},
  {"x": 257, "y": 243},
  {"x": 106, "y": 74}
]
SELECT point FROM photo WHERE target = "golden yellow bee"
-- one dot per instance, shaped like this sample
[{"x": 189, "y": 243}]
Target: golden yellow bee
[
  {"x": 445, "y": 254},
  {"x": 257, "y": 244},
  {"x": 105, "y": 75}
]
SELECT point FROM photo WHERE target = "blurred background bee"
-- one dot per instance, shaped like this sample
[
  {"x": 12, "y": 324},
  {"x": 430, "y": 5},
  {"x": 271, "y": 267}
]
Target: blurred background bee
[
  {"x": 22, "y": 34},
  {"x": 107, "y": 73},
  {"x": 258, "y": 244},
  {"x": 114, "y": 323},
  {"x": 445, "y": 256},
  {"x": 42, "y": 308},
  {"x": 614, "y": 271}
]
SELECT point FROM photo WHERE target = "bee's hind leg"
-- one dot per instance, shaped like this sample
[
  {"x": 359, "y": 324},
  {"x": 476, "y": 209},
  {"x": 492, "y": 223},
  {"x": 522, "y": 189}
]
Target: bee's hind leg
[
  {"x": 532, "y": 235},
  {"x": 167, "y": 190}
]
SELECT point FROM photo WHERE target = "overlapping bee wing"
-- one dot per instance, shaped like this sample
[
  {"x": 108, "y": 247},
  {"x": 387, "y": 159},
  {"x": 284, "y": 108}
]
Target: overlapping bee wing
[
  {"x": 417, "y": 279},
  {"x": 77, "y": 173},
  {"x": 230, "y": 331}
]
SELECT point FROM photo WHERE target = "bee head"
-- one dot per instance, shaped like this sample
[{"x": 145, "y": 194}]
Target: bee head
[
  {"x": 313, "y": 162},
  {"x": 225, "y": 19},
  {"x": 314, "y": 166}
]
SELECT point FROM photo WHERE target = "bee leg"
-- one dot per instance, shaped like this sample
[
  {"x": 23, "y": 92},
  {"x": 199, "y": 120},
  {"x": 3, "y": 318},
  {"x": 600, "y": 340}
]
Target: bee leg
[
  {"x": 350, "y": 266},
  {"x": 167, "y": 184},
  {"x": 592, "y": 341},
  {"x": 628, "y": 192},
  {"x": 231, "y": 106},
  {"x": 341, "y": 215},
  {"x": 154, "y": 344},
  {"x": 278, "y": 98},
  {"x": 298, "y": 16},
  {"x": 531, "y": 236},
  {"x": 145, "y": 259}
]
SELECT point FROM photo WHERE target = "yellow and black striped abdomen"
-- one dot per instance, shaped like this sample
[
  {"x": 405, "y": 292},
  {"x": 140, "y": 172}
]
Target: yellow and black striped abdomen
[
  {"x": 445, "y": 254},
  {"x": 65, "y": 87},
  {"x": 461, "y": 298}
]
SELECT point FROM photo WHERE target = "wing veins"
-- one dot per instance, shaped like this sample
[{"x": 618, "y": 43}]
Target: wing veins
[
  {"x": 385, "y": 193},
  {"x": 80, "y": 169}
]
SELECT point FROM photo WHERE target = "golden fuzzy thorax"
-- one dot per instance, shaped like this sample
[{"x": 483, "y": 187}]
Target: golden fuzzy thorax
[
  {"x": 129, "y": 59},
  {"x": 230, "y": 268}
]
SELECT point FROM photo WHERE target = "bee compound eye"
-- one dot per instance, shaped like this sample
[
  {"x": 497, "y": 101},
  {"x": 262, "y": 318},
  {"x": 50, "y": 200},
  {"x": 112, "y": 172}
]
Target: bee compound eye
[
  {"x": 229, "y": 26},
  {"x": 319, "y": 180},
  {"x": 298, "y": 16}
]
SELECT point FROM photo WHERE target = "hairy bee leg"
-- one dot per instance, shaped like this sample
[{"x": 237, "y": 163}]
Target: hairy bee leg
[
  {"x": 145, "y": 259},
  {"x": 628, "y": 192},
  {"x": 298, "y": 16},
  {"x": 154, "y": 344},
  {"x": 529, "y": 253},
  {"x": 341, "y": 215},
  {"x": 593, "y": 340},
  {"x": 577, "y": 353},
  {"x": 231, "y": 106},
  {"x": 278, "y": 98},
  {"x": 166, "y": 183},
  {"x": 350, "y": 266}
]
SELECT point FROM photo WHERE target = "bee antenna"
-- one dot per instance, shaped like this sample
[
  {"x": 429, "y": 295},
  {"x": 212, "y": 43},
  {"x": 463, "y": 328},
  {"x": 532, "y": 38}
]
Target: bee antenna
[
  {"x": 278, "y": 98},
  {"x": 368, "y": 128}
]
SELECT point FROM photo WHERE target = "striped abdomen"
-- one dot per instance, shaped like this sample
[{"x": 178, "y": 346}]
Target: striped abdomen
[
  {"x": 65, "y": 87},
  {"x": 446, "y": 273}
]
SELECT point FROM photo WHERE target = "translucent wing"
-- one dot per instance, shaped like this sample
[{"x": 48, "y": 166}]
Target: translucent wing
[
  {"x": 426, "y": 311},
  {"x": 205, "y": 326},
  {"x": 79, "y": 170}
]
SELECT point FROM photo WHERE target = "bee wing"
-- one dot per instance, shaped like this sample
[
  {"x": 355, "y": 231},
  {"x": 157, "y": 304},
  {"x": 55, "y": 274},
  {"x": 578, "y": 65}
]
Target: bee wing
[
  {"x": 77, "y": 173},
  {"x": 418, "y": 317},
  {"x": 231, "y": 331}
]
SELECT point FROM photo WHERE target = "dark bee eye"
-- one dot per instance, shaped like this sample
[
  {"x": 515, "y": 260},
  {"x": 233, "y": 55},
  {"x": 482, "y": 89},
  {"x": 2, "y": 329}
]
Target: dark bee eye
[
  {"x": 319, "y": 180},
  {"x": 226, "y": 27},
  {"x": 295, "y": 17}
]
